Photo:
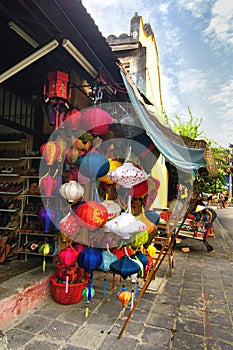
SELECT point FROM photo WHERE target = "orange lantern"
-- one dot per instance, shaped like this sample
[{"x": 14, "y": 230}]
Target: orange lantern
[
  {"x": 124, "y": 296},
  {"x": 113, "y": 164},
  {"x": 62, "y": 144}
]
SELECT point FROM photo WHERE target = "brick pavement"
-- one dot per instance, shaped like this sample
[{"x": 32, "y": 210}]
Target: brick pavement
[{"x": 193, "y": 309}]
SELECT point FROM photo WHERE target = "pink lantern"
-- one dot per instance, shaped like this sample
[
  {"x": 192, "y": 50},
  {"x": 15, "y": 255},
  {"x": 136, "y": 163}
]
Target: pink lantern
[
  {"x": 96, "y": 121},
  {"x": 72, "y": 120},
  {"x": 68, "y": 256},
  {"x": 50, "y": 151},
  {"x": 48, "y": 184}
]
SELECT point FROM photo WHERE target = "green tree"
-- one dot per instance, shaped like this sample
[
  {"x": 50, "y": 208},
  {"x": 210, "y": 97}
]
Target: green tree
[{"x": 191, "y": 128}]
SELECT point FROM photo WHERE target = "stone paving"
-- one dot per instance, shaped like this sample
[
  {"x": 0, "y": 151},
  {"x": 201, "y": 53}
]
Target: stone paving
[{"x": 193, "y": 309}]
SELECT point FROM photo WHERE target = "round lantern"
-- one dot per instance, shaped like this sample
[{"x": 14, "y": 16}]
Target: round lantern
[
  {"x": 68, "y": 256},
  {"x": 69, "y": 225},
  {"x": 72, "y": 191},
  {"x": 72, "y": 120},
  {"x": 72, "y": 156},
  {"x": 139, "y": 190},
  {"x": 92, "y": 215},
  {"x": 48, "y": 183},
  {"x": 46, "y": 218},
  {"x": 50, "y": 151},
  {"x": 93, "y": 165},
  {"x": 127, "y": 175},
  {"x": 113, "y": 208},
  {"x": 90, "y": 259},
  {"x": 124, "y": 266},
  {"x": 124, "y": 297},
  {"x": 96, "y": 121},
  {"x": 82, "y": 145},
  {"x": 113, "y": 164}
]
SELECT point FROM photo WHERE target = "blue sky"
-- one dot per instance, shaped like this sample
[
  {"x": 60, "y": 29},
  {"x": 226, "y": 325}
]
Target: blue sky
[{"x": 195, "y": 45}]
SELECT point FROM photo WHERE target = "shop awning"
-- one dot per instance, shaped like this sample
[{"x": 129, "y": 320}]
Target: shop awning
[{"x": 185, "y": 154}]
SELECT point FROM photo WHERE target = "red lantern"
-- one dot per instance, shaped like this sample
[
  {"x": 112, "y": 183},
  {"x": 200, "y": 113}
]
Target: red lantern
[
  {"x": 96, "y": 121},
  {"x": 50, "y": 151},
  {"x": 92, "y": 215},
  {"x": 57, "y": 86}
]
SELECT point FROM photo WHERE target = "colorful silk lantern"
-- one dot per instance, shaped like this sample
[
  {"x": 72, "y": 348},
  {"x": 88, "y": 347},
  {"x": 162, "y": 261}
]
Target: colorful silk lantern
[
  {"x": 48, "y": 184},
  {"x": 127, "y": 175},
  {"x": 45, "y": 249},
  {"x": 113, "y": 164},
  {"x": 89, "y": 259},
  {"x": 92, "y": 215},
  {"x": 46, "y": 218},
  {"x": 62, "y": 145},
  {"x": 96, "y": 121},
  {"x": 68, "y": 256},
  {"x": 50, "y": 151},
  {"x": 124, "y": 297},
  {"x": 107, "y": 259},
  {"x": 139, "y": 190},
  {"x": 82, "y": 145},
  {"x": 93, "y": 165},
  {"x": 125, "y": 266},
  {"x": 125, "y": 225},
  {"x": 72, "y": 191},
  {"x": 72, "y": 120},
  {"x": 72, "y": 155},
  {"x": 69, "y": 225},
  {"x": 122, "y": 251}
]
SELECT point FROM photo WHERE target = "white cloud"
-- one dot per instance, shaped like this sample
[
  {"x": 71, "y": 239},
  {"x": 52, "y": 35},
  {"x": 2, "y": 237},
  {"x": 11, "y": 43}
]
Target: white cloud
[
  {"x": 220, "y": 29},
  {"x": 196, "y": 7},
  {"x": 163, "y": 8}
]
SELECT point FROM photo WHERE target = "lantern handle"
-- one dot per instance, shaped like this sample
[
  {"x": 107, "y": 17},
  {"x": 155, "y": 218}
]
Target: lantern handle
[{"x": 129, "y": 149}]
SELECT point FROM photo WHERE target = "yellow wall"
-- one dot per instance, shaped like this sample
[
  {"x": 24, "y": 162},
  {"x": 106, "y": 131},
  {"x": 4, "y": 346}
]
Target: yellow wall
[{"x": 159, "y": 171}]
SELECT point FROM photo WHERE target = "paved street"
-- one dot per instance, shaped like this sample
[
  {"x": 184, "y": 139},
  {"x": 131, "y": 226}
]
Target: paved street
[
  {"x": 192, "y": 310},
  {"x": 225, "y": 217}
]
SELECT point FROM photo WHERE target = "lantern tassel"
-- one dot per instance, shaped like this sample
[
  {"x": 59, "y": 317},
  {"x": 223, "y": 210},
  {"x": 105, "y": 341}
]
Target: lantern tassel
[
  {"x": 123, "y": 312},
  {"x": 132, "y": 297},
  {"x": 55, "y": 248},
  {"x": 105, "y": 286},
  {"x": 87, "y": 310},
  {"x": 137, "y": 291},
  {"x": 67, "y": 284},
  {"x": 44, "y": 265}
]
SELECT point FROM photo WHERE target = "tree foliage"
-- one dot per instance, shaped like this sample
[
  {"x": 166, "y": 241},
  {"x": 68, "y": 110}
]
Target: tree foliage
[{"x": 191, "y": 128}]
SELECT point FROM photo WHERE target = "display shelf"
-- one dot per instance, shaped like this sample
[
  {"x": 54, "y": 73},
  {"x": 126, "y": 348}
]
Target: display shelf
[
  {"x": 10, "y": 210},
  {"x": 8, "y": 228},
  {"x": 32, "y": 253},
  {"x": 10, "y": 159},
  {"x": 9, "y": 175},
  {"x": 12, "y": 193},
  {"x": 42, "y": 234}
]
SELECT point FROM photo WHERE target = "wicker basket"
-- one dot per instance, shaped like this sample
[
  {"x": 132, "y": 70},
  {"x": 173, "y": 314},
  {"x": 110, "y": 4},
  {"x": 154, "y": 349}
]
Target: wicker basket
[{"x": 74, "y": 294}]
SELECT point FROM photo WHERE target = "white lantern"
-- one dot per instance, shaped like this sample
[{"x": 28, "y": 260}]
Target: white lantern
[{"x": 72, "y": 191}]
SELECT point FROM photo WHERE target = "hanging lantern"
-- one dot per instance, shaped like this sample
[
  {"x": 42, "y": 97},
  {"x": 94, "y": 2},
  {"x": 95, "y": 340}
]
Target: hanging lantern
[
  {"x": 93, "y": 165},
  {"x": 48, "y": 184},
  {"x": 124, "y": 297},
  {"x": 90, "y": 259},
  {"x": 149, "y": 265},
  {"x": 125, "y": 225},
  {"x": 46, "y": 218},
  {"x": 50, "y": 151},
  {"x": 72, "y": 120},
  {"x": 120, "y": 252},
  {"x": 92, "y": 215},
  {"x": 62, "y": 145},
  {"x": 82, "y": 145},
  {"x": 107, "y": 259},
  {"x": 88, "y": 294},
  {"x": 113, "y": 164},
  {"x": 45, "y": 249},
  {"x": 96, "y": 121},
  {"x": 57, "y": 87},
  {"x": 72, "y": 191},
  {"x": 113, "y": 209},
  {"x": 68, "y": 256},
  {"x": 72, "y": 156},
  {"x": 142, "y": 257},
  {"x": 69, "y": 225},
  {"x": 124, "y": 266},
  {"x": 139, "y": 190},
  {"x": 127, "y": 175}
]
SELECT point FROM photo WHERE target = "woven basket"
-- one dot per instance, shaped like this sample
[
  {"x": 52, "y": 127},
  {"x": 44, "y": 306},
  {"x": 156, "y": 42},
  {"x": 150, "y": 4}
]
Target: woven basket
[{"x": 74, "y": 294}]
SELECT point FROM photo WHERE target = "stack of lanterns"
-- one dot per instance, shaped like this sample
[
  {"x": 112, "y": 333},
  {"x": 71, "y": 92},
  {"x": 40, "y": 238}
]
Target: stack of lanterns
[{"x": 89, "y": 167}]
